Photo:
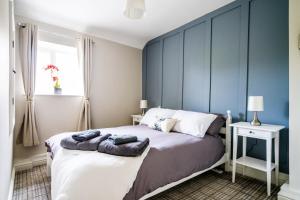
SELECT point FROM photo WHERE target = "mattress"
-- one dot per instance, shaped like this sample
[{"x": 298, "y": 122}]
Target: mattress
[{"x": 172, "y": 156}]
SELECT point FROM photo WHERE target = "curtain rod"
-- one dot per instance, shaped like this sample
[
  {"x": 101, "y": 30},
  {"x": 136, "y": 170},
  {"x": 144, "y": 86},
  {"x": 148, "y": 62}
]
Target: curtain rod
[
  {"x": 21, "y": 24},
  {"x": 51, "y": 32},
  {"x": 59, "y": 34},
  {"x": 63, "y": 35}
]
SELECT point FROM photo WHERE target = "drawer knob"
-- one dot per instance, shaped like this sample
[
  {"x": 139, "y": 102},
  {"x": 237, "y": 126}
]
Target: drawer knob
[{"x": 251, "y": 132}]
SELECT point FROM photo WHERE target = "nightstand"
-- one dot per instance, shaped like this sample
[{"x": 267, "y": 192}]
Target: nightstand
[
  {"x": 136, "y": 119},
  {"x": 264, "y": 132}
]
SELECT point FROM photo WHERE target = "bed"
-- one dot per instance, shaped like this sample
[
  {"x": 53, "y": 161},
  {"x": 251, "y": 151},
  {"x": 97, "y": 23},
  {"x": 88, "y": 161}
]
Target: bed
[{"x": 170, "y": 160}]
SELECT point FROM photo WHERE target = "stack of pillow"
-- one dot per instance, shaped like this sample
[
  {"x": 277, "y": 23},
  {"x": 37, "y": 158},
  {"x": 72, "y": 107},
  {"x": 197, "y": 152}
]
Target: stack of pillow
[{"x": 188, "y": 122}]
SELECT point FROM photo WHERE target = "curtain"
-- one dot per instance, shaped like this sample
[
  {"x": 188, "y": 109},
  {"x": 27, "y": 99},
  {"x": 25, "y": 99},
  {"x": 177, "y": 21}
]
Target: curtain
[
  {"x": 28, "y": 51},
  {"x": 85, "y": 53}
]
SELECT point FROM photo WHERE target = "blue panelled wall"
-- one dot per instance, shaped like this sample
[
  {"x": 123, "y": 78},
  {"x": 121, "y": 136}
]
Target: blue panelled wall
[{"x": 214, "y": 62}]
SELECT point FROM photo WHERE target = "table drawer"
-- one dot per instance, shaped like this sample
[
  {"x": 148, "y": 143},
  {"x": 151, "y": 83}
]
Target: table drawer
[
  {"x": 253, "y": 133},
  {"x": 138, "y": 118}
]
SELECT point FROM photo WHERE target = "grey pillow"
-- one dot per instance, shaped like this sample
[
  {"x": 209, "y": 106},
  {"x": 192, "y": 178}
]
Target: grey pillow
[{"x": 216, "y": 125}]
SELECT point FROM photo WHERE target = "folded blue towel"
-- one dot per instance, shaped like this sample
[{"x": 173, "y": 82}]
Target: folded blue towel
[
  {"x": 122, "y": 139},
  {"x": 86, "y": 135},
  {"x": 89, "y": 145},
  {"x": 130, "y": 149}
]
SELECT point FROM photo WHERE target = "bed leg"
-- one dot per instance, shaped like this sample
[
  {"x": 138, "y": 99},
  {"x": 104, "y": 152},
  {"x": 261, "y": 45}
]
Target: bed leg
[
  {"x": 49, "y": 161},
  {"x": 218, "y": 171},
  {"x": 228, "y": 141},
  {"x": 228, "y": 167}
]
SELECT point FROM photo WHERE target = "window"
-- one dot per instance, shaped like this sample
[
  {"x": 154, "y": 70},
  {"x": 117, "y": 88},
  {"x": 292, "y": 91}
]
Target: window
[{"x": 57, "y": 70}]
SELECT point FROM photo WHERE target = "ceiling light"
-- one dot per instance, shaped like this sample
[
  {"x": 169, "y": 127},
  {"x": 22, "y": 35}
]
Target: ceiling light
[{"x": 134, "y": 9}]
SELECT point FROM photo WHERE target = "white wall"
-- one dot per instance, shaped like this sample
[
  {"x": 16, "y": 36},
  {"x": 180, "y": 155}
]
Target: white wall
[
  {"x": 292, "y": 190},
  {"x": 6, "y": 137},
  {"x": 116, "y": 84},
  {"x": 115, "y": 92}
]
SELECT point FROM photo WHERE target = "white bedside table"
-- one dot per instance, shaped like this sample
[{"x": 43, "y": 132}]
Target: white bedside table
[
  {"x": 265, "y": 132},
  {"x": 136, "y": 119}
]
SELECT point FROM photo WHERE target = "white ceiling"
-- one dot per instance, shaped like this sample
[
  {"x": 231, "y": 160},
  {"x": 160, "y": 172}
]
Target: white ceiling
[{"x": 104, "y": 18}]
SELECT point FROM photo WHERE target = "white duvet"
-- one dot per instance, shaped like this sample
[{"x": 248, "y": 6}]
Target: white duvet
[{"x": 83, "y": 175}]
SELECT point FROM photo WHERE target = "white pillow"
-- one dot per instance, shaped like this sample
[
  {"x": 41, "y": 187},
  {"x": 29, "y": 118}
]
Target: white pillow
[
  {"x": 164, "y": 124},
  {"x": 192, "y": 123},
  {"x": 153, "y": 114}
]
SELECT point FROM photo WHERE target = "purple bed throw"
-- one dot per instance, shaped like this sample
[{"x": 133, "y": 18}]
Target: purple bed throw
[{"x": 172, "y": 156}]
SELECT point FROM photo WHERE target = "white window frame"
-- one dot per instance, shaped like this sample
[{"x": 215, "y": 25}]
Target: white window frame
[{"x": 45, "y": 36}]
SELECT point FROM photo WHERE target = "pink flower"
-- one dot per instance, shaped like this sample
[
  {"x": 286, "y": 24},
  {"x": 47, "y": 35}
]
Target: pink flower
[{"x": 52, "y": 67}]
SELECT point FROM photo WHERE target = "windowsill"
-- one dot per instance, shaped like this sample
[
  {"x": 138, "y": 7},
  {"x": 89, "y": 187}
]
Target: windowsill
[{"x": 59, "y": 95}]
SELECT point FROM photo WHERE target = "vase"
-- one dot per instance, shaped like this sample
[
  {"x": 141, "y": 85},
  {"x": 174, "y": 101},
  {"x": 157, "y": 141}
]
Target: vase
[{"x": 57, "y": 90}]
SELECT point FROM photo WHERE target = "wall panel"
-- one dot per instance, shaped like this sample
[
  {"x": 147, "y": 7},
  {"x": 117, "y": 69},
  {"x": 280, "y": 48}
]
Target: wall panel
[
  {"x": 154, "y": 74},
  {"x": 225, "y": 62},
  {"x": 196, "y": 72},
  {"x": 172, "y": 72},
  {"x": 268, "y": 67}
]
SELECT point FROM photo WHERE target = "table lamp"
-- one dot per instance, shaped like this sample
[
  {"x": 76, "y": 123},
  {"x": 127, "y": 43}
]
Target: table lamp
[
  {"x": 143, "y": 106},
  {"x": 255, "y": 104}
]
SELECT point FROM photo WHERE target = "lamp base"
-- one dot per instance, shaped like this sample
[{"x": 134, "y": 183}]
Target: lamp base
[
  {"x": 255, "y": 121},
  {"x": 143, "y": 111}
]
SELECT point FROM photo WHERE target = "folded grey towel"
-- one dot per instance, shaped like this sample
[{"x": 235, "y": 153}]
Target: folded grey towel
[
  {"x": 92, "y": 145},
  {"x": 86, "y": 135},
  {"x": 130, "y": 149},
  {"x": 89, "y": 145},
  {"x": 69, "y": 143},
  {"x": 122, "y": 139}
]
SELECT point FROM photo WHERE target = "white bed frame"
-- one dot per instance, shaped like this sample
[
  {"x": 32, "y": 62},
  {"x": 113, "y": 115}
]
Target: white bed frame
[{"x": 225, "y": 132}]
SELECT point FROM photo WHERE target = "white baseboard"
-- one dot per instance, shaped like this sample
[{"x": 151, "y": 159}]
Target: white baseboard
[
  {"x": 11, "y": 185},
  {"x": 286, "y": 193},
  {"x": 28, "y": 163}
]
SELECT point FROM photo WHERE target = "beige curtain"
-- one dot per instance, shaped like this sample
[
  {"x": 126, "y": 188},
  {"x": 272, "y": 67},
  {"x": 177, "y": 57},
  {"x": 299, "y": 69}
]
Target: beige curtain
[
  {"x": 28, "y": 50},
  {"x": 85, "y": 52}
]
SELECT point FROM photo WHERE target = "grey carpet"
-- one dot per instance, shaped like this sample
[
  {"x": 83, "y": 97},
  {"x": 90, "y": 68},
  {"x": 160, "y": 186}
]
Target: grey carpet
[{"x": 33, "y": 184}]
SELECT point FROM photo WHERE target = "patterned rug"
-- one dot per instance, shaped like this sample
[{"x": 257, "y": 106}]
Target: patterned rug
[{"x": 34, "y": 184}]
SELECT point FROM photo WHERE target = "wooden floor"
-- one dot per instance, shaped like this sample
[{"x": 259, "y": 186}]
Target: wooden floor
[{"x": 33, "y": 184}]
